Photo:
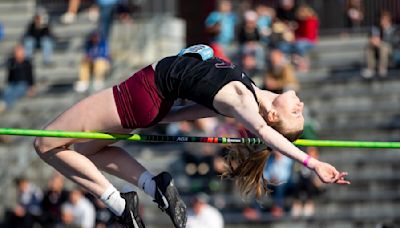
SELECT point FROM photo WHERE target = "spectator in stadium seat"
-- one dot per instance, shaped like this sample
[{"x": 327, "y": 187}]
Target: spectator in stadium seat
[
  {"x": 203, "y": 215},
  {"x": 354, "y": 14},
  {"x": 306, "y": 35},
  {"x": 96, "y": 61},
  {"x": 27, "y": 211},
  {"x": 379, "y": 47},
  {"x": 248, "y": 31},
  {"x": 278, "y": 171},
  {"x": 79, "y": 211},
  {"x": 286, "y": 13},
  {"x": 107, "y": 10},
  {"x": 20, "y": 79},
  {"x": 1, "y": 31},
  {"x": 39, "y": 35},
  {"x": 249, "y": 38},
  {"x": 70, "y": 15},
  {"x": 220, "y": 25},
  {"x": 307, "y": 186},
  {"x": 54, "y": 197},
  {"x": 264, "y": 23},
  {"x": 280, "y": 75},
  {"x": 104, "y": 217}
]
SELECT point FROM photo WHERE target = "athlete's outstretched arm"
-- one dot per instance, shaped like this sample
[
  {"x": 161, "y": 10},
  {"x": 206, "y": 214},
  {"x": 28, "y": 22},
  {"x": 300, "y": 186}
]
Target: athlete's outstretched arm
[
  {"x": 188, "y": 112},
  {"x": 246, "y": 111}
]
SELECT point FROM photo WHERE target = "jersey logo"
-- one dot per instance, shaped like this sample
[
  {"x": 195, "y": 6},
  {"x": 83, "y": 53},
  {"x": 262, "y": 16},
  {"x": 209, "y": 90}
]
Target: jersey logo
[
  {"x": 223, "y": 64},
  {"x": 243, "y": 75}
]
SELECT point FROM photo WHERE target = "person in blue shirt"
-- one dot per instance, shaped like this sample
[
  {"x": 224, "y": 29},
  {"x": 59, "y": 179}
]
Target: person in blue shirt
[
  {"x": 1, "y": 31},
  {"x": 221, "y": 25},
  {"x": 107, "y": 10},
  {"x": 96, "y": 61}
]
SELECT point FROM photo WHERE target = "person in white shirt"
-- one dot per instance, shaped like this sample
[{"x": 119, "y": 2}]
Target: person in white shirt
[
  {"x": 204, "y": 215},
  {"x": 79, "y": 211}
]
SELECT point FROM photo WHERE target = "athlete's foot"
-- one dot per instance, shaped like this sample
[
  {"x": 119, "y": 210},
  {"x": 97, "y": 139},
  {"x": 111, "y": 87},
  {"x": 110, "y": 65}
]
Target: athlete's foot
[
  {"x": 169, "y": 200},
  {"x": 130, "y": 217}
]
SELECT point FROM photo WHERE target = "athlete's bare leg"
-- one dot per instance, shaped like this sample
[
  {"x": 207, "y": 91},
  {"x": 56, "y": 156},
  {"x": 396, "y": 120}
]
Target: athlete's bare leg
[
  {"x": 95, "y": 113},
  {"x": 112, "y": 159}
]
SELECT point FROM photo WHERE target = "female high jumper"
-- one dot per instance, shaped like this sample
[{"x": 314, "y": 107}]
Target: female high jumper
[{"x": 145, "y": 99}]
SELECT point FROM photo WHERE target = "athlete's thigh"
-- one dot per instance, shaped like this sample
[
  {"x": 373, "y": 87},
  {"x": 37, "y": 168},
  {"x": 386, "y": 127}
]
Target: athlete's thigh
[
  {"x": 93, "y": 146},
  {"x": 94, "y": 113}
]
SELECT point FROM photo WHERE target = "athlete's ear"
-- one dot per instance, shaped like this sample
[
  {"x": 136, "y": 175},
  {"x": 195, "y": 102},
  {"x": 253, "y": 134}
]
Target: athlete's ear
[{"x": 272, "y": 116}]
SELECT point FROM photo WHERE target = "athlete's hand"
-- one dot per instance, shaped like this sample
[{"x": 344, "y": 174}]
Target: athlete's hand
[{"x": 328, "y": 174}]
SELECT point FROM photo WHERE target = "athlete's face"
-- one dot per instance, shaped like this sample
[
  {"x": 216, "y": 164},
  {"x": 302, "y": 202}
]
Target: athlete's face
[{"x": 290, "y": 109}]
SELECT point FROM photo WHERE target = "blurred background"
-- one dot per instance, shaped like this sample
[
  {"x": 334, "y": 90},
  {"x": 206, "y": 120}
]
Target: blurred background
[{"x": 341, "y": 56}]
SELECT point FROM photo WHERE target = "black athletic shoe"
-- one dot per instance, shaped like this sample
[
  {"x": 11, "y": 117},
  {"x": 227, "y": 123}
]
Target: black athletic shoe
[
  {"x": 130, "y": 217},
  {"x": 169, "y": 200}
]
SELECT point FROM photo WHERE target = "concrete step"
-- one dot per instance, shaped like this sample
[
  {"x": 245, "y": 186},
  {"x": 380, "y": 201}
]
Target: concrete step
[
  {"x": 7, "y": 8},
  {"x": 333, "y": 59},
  {"x": 335, "y": 44},
  {"x": 354, "y": 88},
  {"x": 15, "y": 20},
  {"x": 60, "y": 58},
  {"x": 60, "y": 31},
  {"x": 368, "y": 135},
  {"x": 360, "y": 156},
  {"x": 359, "y": 209},
  {"x": 337, "y": 220},
  {"x": 338, "y": 42}
]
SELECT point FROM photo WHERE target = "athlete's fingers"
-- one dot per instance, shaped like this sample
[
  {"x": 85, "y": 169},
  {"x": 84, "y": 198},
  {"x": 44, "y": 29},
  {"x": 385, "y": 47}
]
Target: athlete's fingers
[
  {"x": 342, "y": 182},
  {"x": 335, "y": 174},
  {"x": 341, "y": 179}
]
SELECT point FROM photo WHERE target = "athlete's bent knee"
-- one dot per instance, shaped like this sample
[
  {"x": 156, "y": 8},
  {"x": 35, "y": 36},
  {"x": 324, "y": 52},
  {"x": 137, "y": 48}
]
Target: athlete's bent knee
[{"x": 44, "y": 145}]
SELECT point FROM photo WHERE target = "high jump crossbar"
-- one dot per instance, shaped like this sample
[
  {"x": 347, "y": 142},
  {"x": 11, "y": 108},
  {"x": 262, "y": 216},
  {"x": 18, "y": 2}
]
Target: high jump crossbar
[{"x": 193, "y": 139}]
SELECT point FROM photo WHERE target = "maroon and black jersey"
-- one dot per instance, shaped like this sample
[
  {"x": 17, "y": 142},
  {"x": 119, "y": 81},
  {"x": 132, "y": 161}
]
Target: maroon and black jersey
[{"x": 197, "y": 80}]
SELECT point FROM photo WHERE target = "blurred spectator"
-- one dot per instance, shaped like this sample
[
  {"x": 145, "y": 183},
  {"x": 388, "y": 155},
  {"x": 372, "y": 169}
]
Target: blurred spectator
[
  {"x": 104, "y": 217},
  {"x": 251, "y": 65},
  {"x": 1, "y": 31},
  {"x": 5, "y": 139},
  {"x": 55, "y": 196},
  {"x": 278, "y": 172},
  {"x": 396, "y": 49},
  {"x": 27, "y": 211},
  {"x": 282, "y": 37},
  {"x": 306, "y": 35},
  {"x": 307, "y": 187},
  {"x": 20, "y": 79},
  {"x": 248, "y": 31},
  {"x": 203, "y": 215},
  {"x": 124, "y": 9},
  {"x": 79, "y": 211},
  {"x": 70, "y": 16},
  {"x": 229, "y": 127},
  {"x": 249, "y": 38},
  {"x": 39, "y": 35},
  {"x": 280, "y": 76},
  {"x": 264, "y": 23},
  {"x": 220, "y": 25},
  {"x": 286, "y": 12},
  {"x": 96, "y": 61},
  {"x": 379, "y": 47},
  {"x": 107, "y": 9},
  {"x": 354, "y": 14}
]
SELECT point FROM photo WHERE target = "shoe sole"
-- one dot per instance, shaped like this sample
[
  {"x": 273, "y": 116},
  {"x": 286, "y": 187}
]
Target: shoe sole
[{"x": 179, "y": 217}]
